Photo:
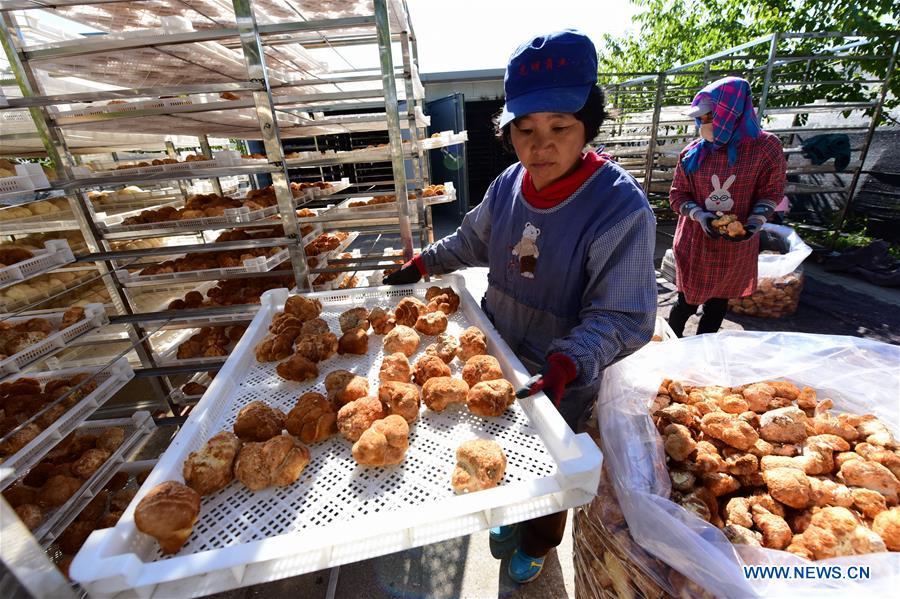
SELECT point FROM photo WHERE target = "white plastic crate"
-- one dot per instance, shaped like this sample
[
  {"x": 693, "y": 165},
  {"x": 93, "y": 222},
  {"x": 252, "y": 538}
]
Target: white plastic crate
[
  {"x": 63, "y": 220},
  {"x": 231, "y": 217},
  {"x": 259, "y": 264},
  {"x": 136, "y": 171},
  {"x": 9, "y": 305},
  {"x": 663, "y": 330},
  {"x": 56, "y": 253},
  {"x": 181, "y": 398},
  {"x": 29, "y": 177},
  {"x": 443, "y": 140},
  {"x": 339, "y": 512},
  {"x": 136, "y": 200},
  {"x": 94, "y": 318},
  {"x": 137, "y": 427},
  {"x": 336, "y": 187},
  {"x": 344, "y": 207},
  {"x": 167, "y": 346},
  {"x": 16, "y": 121},
  {"x": 89, "y": 113},
  {"x": 667, "y": 270},
  {"x": 110, "y": 378},
  {"x": 322, "y": 259}
]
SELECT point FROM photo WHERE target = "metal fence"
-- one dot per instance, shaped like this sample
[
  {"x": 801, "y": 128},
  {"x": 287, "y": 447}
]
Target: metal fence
[{"x": 804, "y": 84}]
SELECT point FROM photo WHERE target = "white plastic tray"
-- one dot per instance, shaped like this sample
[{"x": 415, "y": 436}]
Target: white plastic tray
[
  {"x": 28, "y": 178},
  {"x": 336, "y": 187},
  {"x": 167, "y": 349},
  {"x": 231, "y": 217},
  {"x": 259, "y": 264},
  {"x": 110, "y": 379},
  {"x": 663, "y": 330},
  {"x": 391, "y": 208},
  {"x": 339, "y": 512},
  {"x": 378, "y": 154},
  {"x": 136, "y": 200},
  {"x": 9, "y": 305},
  {"x": 180, "y": 398},
  {"x": 94, "y": 318},
  {"x": 56, "y": 253},
  {"x": 220, "y": 160},
  {"x": 322, "y": 261},
  {"x": 136, "y": 427}
]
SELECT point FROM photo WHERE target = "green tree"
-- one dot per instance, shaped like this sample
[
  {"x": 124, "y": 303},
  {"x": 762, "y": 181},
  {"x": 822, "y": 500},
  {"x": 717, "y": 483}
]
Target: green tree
[{"x": 674, "y": 32}]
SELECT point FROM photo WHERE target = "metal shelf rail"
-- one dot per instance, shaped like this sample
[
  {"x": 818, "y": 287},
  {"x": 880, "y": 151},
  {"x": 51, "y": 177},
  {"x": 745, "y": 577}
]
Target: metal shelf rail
[{"x": 244, "y": 71}]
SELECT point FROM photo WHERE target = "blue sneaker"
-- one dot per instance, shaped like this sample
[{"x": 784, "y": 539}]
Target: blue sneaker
[{"x": 524, "y": 568}]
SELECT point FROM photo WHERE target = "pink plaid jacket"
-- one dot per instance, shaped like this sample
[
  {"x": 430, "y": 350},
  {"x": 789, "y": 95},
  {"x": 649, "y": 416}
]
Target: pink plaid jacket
[{"x": 715, "y": 268}]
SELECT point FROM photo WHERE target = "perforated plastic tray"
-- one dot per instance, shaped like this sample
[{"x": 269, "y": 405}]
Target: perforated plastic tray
[
  {"x": 167, "y": 345},
  {"x": 56, "y": 253},
  {"x": 231, "y": 217},
  {"x": 181, "y": 398},
  {"x": 136, "y": 427},
  {"x": 135, "y": 200},
  {"x": 94, "y": 318},
  {"x": 379, "y": 154},
  {"x": 339, "y": 512},
  {"x": 336, "y": 187},
  {"x": 259, "y": 264},
  {"x": 322, "y": 259},
  {"x": 9, "y": 305},
  {"x": 344, "y": 207},
  {"x": 110, "y": 378}
]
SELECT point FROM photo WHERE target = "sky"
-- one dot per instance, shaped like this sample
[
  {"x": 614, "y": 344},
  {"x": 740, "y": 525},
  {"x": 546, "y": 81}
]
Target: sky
[
  {"x": 481, "y": 34},
  {"x": 464, "y": 35}
]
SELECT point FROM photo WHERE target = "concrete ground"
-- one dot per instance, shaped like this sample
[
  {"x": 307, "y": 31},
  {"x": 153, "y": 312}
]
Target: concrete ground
[{"x": 462, "y": 567}]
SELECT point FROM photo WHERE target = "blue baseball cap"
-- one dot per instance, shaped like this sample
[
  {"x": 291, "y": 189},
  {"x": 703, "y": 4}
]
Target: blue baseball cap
[{"x": 550, "y": 73}]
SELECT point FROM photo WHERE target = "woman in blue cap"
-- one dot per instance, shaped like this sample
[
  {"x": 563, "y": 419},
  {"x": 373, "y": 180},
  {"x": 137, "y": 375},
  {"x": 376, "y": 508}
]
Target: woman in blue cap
[{"x": 568, "y": 238}]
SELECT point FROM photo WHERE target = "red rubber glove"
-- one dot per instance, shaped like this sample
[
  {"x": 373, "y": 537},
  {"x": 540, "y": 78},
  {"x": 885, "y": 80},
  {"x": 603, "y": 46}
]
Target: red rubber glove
[
  {"x": 411, "y": 272},
  {"x": 559, "y": 371}
]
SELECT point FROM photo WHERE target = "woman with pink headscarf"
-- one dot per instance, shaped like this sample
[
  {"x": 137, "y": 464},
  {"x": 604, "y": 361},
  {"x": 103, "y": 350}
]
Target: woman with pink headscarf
[{"x": 735, "y": 168}]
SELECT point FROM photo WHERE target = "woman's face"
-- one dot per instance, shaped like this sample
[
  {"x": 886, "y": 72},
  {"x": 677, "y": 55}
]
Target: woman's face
[
  {"x": 548, "y": 144},
  {"x": 706, "y": 127}
]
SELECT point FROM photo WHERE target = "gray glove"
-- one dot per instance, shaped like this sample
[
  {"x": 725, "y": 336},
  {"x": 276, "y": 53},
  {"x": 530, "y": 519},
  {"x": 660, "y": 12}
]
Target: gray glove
[{"x": 701, "y": 217}]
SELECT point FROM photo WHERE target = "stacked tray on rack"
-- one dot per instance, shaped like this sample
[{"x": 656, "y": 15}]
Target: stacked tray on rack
[
  {"x": 73, "y": 472},
  {"x": 36, "y": 337},
  {"x": 236, "y": 263},
  {"x": 56, "y": 285},
  {"x": 380, "y": 153},
  {"x": 56, "y": 253},
  {"x": 191, "y": 392},
  {"x": 103, "y": 510},
  {"x": 79, "y": 392},
  {"x": 338, "y": 511},
  {"x": 370, "y": 208}
]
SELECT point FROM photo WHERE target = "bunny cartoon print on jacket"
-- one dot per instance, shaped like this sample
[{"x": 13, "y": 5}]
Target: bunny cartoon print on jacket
[
  {"x": 719, "y": 199},
  {"x": 527, "y": 251}
]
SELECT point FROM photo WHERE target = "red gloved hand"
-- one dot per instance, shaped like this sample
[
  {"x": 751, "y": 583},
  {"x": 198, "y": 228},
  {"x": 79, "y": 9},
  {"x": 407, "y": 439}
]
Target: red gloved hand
[
  {"x": 559, "y": 371},
  {"x": 411, "y": 272}
]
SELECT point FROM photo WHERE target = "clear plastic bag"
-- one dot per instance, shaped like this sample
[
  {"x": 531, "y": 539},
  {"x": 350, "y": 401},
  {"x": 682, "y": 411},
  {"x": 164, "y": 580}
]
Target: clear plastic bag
[
  {"x": 779, "y": 276},
  {"x": 772, "y": 266},
  {"x": 859, "y": 375}
]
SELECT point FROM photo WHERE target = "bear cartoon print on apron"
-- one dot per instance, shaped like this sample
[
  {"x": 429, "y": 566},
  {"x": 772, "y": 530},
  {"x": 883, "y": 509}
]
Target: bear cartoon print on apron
[{"x": 526, "y": 250}]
